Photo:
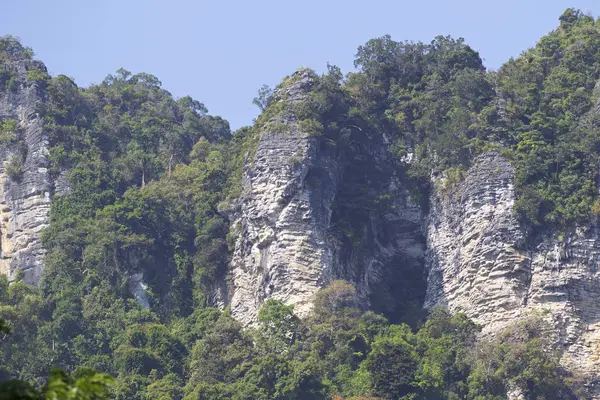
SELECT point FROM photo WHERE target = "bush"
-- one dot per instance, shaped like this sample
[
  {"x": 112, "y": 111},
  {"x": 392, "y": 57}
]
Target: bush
[
  {"x": 14, "y": 169},
  {"x": 37, "y": 75},
  {"x": 12, "y": 85},
  {"x": 8, "y": 131}
]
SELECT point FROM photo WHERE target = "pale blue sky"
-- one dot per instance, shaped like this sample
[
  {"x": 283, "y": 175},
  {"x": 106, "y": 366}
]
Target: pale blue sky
[{"x": 221, "y": 52}]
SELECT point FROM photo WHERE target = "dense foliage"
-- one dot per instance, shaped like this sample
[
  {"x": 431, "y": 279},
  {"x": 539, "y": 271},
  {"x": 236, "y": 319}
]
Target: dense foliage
[
  {"x": 89, "y": 385},
  {"x": 441, "y": 105},
  {"x": 148, "y": 175},
  {"x": 337, "y": 351}
]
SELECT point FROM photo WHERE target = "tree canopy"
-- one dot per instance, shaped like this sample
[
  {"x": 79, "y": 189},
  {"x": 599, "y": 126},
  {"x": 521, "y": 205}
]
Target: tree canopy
[{"x": 149, "y": 177}]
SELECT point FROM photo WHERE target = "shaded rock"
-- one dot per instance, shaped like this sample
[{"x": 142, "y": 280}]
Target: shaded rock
[{"x": 288, "y": 242}]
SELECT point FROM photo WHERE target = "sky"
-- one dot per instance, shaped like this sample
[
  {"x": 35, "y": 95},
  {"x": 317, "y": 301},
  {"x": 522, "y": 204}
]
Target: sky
[{"x": 221, "y": 52}]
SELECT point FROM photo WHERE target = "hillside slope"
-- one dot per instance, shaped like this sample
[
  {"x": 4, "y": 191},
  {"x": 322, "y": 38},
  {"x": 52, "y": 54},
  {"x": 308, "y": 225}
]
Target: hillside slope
[{"x": 299, "y": 257}]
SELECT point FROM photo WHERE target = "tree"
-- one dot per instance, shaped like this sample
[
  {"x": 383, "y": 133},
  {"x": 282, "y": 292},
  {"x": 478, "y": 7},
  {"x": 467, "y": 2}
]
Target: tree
[
  {"x": 393, "y": 362},
  {"x": 278, "y": 326},
  {"x": 221, "y": 355},
  {"x": 264, "y": 98},
  {"x": 442, "y": 345},
  {"x": 88, "y": 385}
]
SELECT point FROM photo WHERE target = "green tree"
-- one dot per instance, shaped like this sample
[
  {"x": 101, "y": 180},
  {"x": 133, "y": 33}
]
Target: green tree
[
  {"x": 393, "y": 362},
  {"x": 279, "y": 327}
]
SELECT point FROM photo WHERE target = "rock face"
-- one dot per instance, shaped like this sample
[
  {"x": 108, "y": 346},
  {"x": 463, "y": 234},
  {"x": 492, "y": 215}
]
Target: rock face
[
  {"x": 282, "y": 250},
  {"x": 298, "y": 227},
  {"x": 480, "y": 263},
  {"x": 287, "y": 245},
  {"x": 475, "y": 257},
  {"x": 137, "y": 288},
  {"x": 24, "y": 199}
]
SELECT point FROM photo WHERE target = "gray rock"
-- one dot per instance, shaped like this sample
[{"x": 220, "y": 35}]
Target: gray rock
[
  {"x": 24, "y": 203},
  {"x": 479, "y": 263},
  {"x": 138, "y": 288},
  {"x": 281, "y": 250},
  {"x": 287, "y": 247}
]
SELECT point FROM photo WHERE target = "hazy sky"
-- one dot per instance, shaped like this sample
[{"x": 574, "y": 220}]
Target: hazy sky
[{"x": 221, "y": 52}]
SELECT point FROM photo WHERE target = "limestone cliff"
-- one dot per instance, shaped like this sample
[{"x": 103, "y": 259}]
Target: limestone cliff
[
  {"x": 300, "y": 223},
  {"x": 25, "y": 195},
  {"x": 480, "y": 262},
  {"x": 289, "y": 241}
]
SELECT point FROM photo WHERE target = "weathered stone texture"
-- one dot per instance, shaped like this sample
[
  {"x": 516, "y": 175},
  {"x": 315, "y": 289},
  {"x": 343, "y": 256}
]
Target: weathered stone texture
[
  {"x": 475, "y": 253},
  {"x": 480, "y": 263},
  {"x": 281, "y": 223},
  {"x": 24, "y": 202},
  {"x": 286, "y": 246}
]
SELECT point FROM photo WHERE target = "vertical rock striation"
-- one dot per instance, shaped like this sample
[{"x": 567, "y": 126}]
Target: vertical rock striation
[
  {"x": 480, "y": 263},
  {"x": 281, "y": 224},
  {"x": 24, "y": 199},
  {"x": 475, "y": 246},
  {"x": 287, "y": 224}
]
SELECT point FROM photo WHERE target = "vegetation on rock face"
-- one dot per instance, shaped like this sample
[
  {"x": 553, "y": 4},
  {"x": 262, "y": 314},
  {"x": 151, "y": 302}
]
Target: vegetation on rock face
[
  {"x": 10, "y": 50},
  {"x": 538, "y": 110},
  {"x": 148, "y": 173}
]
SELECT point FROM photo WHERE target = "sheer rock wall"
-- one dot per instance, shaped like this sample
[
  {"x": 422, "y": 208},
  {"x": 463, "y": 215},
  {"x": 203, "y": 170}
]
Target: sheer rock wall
[
  {"x": 287, "y": 245},
  {"x": 25, "y": 199},
  {"x": 480, "y": 262}
]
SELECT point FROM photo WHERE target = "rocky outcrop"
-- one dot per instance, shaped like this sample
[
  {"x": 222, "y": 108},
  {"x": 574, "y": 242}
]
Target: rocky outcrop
[
  {"x": 289, "y": 241},
  {"x": 479, "y": 262},
  {"x": 281, "y": 225},
  {"x": 475, "y": 246},
  {"x": 282, "y": 249},
  {"x": 138, "y": 289},
  {"x": 25, "y": 194}
]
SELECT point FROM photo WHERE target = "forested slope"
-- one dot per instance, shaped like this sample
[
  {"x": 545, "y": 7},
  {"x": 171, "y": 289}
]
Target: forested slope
[{"x": 165, "y": 229}]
